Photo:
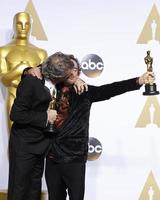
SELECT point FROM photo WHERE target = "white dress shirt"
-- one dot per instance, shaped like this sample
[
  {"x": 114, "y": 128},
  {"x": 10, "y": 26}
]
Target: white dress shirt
[{"x": 50, "y": 86}]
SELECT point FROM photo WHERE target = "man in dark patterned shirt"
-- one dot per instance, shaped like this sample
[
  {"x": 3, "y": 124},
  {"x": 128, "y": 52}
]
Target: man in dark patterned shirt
[{"x": 65, "y": 163}]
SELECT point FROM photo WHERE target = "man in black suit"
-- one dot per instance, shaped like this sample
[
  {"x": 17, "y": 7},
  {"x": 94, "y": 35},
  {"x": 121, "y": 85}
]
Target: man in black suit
[
  {"x": 65, "y": 164},
  {"x": 29, "y": 142}
]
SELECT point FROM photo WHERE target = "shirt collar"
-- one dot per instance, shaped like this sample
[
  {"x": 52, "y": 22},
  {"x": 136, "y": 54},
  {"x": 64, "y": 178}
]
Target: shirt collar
[{"x": 50, "y": 86}]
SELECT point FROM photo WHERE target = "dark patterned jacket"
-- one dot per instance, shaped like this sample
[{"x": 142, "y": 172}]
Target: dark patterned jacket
[{"x": 71, "y": 141}]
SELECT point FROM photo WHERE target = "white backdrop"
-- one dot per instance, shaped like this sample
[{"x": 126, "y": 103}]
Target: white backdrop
[{"x": 111, "y": 30}]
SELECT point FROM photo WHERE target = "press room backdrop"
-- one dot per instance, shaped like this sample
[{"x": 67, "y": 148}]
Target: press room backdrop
[{"x": 110, "y": 39}]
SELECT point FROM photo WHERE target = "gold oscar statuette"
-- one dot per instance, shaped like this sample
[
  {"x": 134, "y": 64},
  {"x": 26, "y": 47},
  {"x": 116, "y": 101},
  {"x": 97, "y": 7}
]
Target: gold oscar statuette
[
  {"x": 52, "y": 105},
  {"x": 150, "y": 88}
]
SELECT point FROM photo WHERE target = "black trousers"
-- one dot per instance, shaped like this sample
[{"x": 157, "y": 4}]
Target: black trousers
[
  {"x": 25, "y": 174},
  {"x": 64, "y": 177}
]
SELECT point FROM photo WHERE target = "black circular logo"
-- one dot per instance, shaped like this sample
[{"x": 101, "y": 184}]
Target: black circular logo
[
  {"x": 94, "y": 149},
  {"x": 92, "y": 65}
]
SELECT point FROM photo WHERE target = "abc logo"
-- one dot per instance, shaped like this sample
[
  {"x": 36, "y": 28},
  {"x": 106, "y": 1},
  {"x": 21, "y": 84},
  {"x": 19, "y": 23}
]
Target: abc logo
[
  {"x": 92, "y": 65},
  {"x": 94, "y": 149}
]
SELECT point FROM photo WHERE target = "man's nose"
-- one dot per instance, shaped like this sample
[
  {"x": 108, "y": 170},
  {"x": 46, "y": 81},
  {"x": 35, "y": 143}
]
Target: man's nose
[{"x": 72, "y": 74}]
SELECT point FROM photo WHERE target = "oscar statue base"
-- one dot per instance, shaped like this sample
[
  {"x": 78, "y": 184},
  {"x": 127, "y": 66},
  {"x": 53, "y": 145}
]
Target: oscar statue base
[
  {"x": 150, "y": 90},
  {"x": 51, "y": 129}
]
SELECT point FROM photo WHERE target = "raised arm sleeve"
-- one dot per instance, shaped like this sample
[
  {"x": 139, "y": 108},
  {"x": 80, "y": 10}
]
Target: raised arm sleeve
[{"x": 104, "y": 92}]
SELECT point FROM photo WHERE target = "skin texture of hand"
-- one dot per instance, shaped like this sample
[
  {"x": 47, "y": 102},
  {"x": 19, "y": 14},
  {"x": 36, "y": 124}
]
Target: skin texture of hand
[
  {"x": 80, "y": 86},
  {"x": 52, "y": 115},
  {"x": 35, "y": 72},
  {"x": 146, "y": 78}
]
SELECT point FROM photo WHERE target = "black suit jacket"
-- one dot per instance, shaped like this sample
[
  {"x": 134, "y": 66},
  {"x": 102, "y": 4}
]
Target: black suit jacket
[
  {"x": 71, "y": 142},
  {"x": 29, "y": 116}
]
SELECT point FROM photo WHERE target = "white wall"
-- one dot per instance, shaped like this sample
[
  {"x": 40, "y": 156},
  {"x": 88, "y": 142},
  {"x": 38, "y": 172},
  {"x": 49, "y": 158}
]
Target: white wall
[{"x": 109, "y": 29}]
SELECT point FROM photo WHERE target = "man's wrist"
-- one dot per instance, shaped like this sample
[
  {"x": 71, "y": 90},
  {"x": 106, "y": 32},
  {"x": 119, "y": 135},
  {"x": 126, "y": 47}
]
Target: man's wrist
[{"x": 138, "y": 81}]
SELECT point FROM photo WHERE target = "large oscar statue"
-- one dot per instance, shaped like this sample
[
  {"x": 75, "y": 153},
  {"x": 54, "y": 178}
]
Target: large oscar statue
[
  {"x": 17, "y": 55},
  {"x": 150, "y": 88}
]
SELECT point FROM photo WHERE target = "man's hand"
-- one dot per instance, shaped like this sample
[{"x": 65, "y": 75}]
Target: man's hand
[
  {"x": 35, "y": 72},
  {"x": 146, "y": 78},
  {"x": 52, "y": 115},
  {"x": 80, "y": 86}
]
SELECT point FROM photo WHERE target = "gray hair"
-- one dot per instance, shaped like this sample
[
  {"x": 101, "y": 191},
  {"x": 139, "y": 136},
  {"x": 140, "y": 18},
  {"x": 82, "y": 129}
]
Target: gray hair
[{"x": 57, "y": 66}]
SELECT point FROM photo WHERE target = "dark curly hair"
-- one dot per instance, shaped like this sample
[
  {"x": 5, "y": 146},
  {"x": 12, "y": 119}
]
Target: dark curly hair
[{"x": 58, "y": 66}]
